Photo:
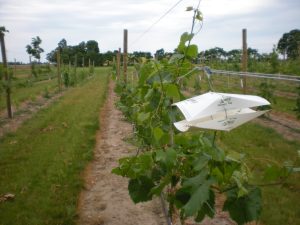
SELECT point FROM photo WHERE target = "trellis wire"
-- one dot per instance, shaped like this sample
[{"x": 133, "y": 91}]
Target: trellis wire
[{"x": 250, "y": 74}]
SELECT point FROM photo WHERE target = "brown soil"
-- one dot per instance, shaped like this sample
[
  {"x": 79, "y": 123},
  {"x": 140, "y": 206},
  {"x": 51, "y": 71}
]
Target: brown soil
[
  {"x": 24, "y": 112},
  {"x": 105, "y": 198},
  {"x": 285, "y": 124}
]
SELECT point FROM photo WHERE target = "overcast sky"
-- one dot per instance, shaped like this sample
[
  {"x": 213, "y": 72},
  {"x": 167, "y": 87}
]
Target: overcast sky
[{"x": 104, "y": 21}]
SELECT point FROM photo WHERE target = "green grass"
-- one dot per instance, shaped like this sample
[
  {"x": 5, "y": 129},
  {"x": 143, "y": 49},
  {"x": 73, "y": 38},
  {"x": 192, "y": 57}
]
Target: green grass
[
  {"x": 19, "y": 95},
  {"x": 41, "y": 163},
  {"x": 233, "y": 85},
  {"x": 263, "y": 145},
  {"x": 21, "y": 91},
  {"x": 285, "y": 105}
]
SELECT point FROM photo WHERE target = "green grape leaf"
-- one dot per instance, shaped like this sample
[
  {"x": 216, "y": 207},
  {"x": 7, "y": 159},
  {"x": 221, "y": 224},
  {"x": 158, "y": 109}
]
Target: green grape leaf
[
  {"x": 207, "y": 208},
  {"x": 159, "y": 188},
  {"x": 218, "y": 175},
  {"x": 149, "y": 94},
  {"x": 192, "y": 51},
  {"x": 124, "y": 167},
  {"x": 181, "y": 48},
  {"x": 186, "y": 37},
  {"x": 172, "y": 91},
  {"x": 160, "y": 137},
  {"x": 167, "y": 157},
  {"x": 197, "y": 188},
  {"x": 134, "y": 167},
  {"x": 199, "y": 16},
  {"x": 246, "y": 208},
  {"x": 182, "y": 196},
  {"x": 198, "y": 197},
  {"x": 140, "y": 189},
  {"x": 158, "y": 133},
  {"x": 142, "y": 117},
  {"x": 234, "y": 156},
  {"x": 201, "y": 162},
  {"x": 175, "y": 57},
  {"x": 195, "y": 181},
  {"x": 146, "y": 71}
]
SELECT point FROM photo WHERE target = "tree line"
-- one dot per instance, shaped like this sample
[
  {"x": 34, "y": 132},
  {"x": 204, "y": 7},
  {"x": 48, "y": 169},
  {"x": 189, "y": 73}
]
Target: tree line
[{"x": 288, "y": 46}]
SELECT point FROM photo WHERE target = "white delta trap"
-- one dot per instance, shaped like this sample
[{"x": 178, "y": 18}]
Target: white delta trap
[{"x": 218, "y": 111}]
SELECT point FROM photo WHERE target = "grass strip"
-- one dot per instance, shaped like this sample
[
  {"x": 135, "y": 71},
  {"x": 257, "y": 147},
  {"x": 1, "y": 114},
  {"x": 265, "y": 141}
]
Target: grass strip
[
  {"x": 262, "y": 146},
  {"x": 41, "y": 163}
]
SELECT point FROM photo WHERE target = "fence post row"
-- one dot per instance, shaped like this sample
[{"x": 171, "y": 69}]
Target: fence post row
[
  {"x": 6, "y": 77},
  {"x": 125, "y": 54},
  {"x": 244, "y": 59}
]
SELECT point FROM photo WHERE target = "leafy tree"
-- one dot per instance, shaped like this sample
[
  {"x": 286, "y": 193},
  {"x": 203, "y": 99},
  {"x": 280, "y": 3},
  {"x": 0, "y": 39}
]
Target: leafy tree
[
  {"x": 80, "y": 50},
  {"x": 253, "y": 53},
  {"x": 214, "y": 54},
  {"x": 62, "y": 44},
  {"x": 34, "y": 49},
  {"x": 160, "y": 53},
  {"x": 146, "y": 55},
  {"x": 288, "y": 44},
  {"x": 51, "y": 56},
  {"x": 64, "y": 51},
  {"x": 234, "y": 55},
  {"x": 92, "y": 50},
  {"x": 108, "y": 57}
]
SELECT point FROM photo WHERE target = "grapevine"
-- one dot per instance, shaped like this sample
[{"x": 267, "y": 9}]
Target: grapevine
[{"x": 187, "y": 168}]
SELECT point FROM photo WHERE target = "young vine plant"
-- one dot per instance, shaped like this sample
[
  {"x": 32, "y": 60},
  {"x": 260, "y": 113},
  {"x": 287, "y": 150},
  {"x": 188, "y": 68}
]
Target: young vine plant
[{"x": 187, "y": 168}]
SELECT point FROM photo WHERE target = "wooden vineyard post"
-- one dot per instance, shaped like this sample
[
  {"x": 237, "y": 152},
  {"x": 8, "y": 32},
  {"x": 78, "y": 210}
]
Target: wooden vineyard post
[
  {"x": 244, "y": 59},
  {"x": 58, "y": 71},
  {"x": 125, "y": 43},
  {"x": 118, "y": 63},
  {"x": 6, "y": 77}
]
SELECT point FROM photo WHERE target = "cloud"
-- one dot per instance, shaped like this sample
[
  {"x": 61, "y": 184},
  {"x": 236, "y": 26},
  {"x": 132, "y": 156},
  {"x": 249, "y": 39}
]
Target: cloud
[{"x": 104, "y": 21}]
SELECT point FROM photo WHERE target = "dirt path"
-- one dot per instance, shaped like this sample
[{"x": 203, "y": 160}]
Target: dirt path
[
  {"x": 105, "y": 199},
  {"x": 24, "y": 112},
  {"x": 287, "y": 126}
]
